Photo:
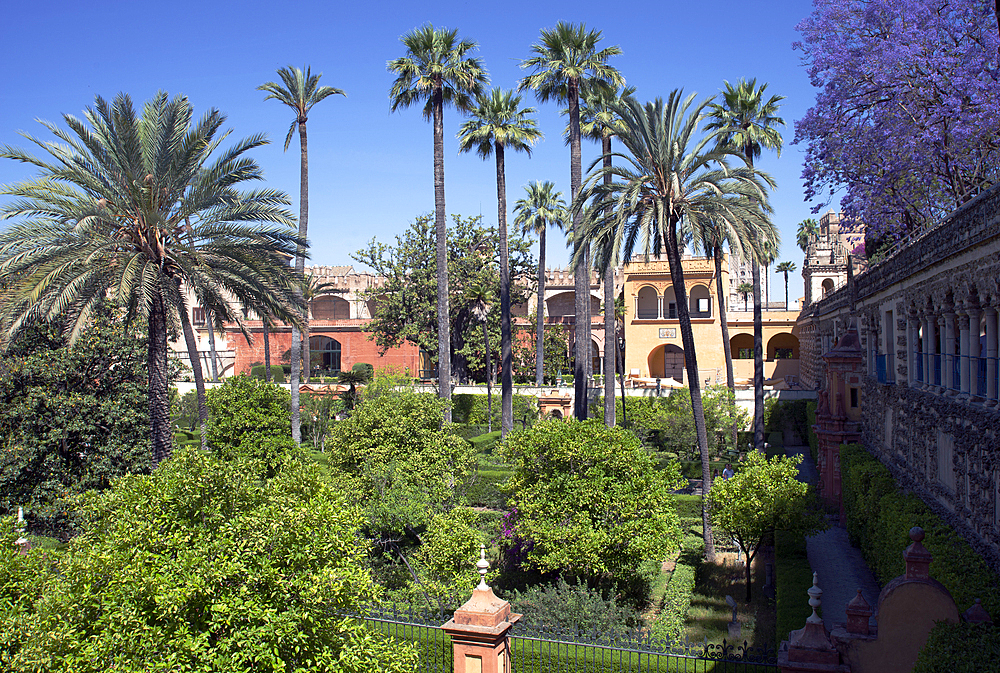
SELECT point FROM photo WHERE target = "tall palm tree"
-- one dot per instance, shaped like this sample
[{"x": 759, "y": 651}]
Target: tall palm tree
[
  {"x": 264, "y": 323},
  {"x": 497, "y": 123},
  {"x": 808, "y": 228},
  {"x": 598, "y": 122},
  {"x": 745, "y": 290},
  {"x": 541, "y": 208},
  {"x": 127, "y": 207},
  {"x": 300, "y": 91},
  {"x": 748, "y": 121},
  {"x": 786, "y": 268},
  {"x": 565, "y": 63},
  {"x": 438, "y": 69},
  {"x": 668, "y": 179}
]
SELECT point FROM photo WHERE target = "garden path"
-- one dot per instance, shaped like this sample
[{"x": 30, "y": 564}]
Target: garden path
[{"x": 840, "y": 567}]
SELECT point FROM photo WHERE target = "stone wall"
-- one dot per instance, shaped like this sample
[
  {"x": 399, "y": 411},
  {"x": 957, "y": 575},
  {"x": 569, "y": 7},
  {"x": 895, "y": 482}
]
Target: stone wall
[{"x": 933, "y": 305}]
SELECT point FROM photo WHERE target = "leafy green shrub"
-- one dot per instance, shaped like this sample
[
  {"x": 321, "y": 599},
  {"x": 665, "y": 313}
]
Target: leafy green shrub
[
  {"x": 397, "y": 461},
  {"x": 793, "y": 577},
  {"x": 249, "y": 418},
  {"x": 277, "y": 373},
  {"x": 590, "y": 499},
  {"x": 448, "y": 555},
  {"x": 198, "y": 567},
  {"x": 787, "y": 415},
  {"x": 486, "y": 491},
  {"x": 879, "y": 518},
  {"x": 960, "y": 648},
  {"x": 575, "y": 608},
  {"x": 367, "y": 369}
]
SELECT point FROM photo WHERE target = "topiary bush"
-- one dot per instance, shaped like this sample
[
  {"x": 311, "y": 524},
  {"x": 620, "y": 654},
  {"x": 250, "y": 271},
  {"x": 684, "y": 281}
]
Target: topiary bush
[
  {"x": 574, "y": 608},
  {"x": 879, "y": 518},
  {"x": 472, "y": 409},
  {"x": 365, "y": 368},
  {"x": 277, "y": 373}
]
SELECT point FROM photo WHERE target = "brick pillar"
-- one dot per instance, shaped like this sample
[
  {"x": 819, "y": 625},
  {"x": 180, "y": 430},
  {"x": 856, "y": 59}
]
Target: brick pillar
[{"x": 479, "y": 629}]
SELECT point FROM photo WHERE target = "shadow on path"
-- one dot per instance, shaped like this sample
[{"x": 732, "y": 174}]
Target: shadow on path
[{"x": 840, "y": 568}]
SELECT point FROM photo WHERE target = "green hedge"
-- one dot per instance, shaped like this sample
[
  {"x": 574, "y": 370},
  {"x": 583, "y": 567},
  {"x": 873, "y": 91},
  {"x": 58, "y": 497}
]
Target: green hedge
[
  {"x": 879, "y": 518},
  {"x": 811, "y": 436},
  {"x": 793, "y": 577},
  {"x": 960, "y": 648},
  {"x": 277, "y": 373},
  {"x": 472, "y": 408}
]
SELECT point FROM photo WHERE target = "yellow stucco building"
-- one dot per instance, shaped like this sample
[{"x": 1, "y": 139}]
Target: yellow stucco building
[{"x": 653, "y": 337}]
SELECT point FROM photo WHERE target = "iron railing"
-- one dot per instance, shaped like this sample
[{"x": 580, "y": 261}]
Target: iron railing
[
  {"x": 936, "y": 357},
  {"x": 920, "y": 367},
  {"x": 540, "y": 649},
  {"x": 956, "y": 372},
  {"x": 982, "y": 372},
  {"x": 537, "y": 649},
  {"x": 422, "y": 628}
]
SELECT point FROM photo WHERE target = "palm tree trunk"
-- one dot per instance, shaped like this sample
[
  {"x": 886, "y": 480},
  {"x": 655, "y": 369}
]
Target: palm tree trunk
[
  {"x": 489, "y": 384},
  {"x": 267, "y": 350},
  {"x": 506, "y": 382},
  {"x": 209, "y": 320},
  {"x": 727, "y": 347},
  {"x": 786, "y": 276},
  {"x": 609, "y": 315},
  {"x": 199, "y": 378},
  {"x": 300, "y": 267},
  {"x": 620, "y": 366},
  {"x": 156, "y": 362},
  {"x": 758, "y": 363},
  {"x": 581, "y": 274},
  {"x": 441, "y": 229},
  {"x": 306, "y": 353},
  {"x": 694, "y": 385},
  {"x": 540, "y": 327}
]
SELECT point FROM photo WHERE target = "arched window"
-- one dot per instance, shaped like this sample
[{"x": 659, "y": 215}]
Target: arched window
[
  {"x": 646, "y": 306},
  {"x": 701, "y": 302},
  {"x": 827, "y": 286},
  {"x": 324, "y": 355},
  {"x": 783, "y": 346},
  {"x": 741, "y": 346}
]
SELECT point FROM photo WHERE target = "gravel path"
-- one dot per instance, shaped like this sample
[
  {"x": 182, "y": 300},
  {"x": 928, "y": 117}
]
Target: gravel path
[{"x": 840, "y": 568}]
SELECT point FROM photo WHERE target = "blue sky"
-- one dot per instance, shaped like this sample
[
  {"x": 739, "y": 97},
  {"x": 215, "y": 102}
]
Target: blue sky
[{"x": 371, "y": 170}]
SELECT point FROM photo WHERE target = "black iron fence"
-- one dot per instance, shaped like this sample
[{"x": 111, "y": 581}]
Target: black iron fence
[{"x": 540, "y": 649}]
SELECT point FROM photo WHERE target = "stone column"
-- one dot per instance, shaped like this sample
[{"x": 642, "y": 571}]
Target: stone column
[
  {"x": 912, "y": 355},
  {"x": 963, "y": 350},
  {"x": 950, "y": 348},
  {"x": 991, "y": 355},
  {"x": 928, "y": 349},
  {"x": 479, "y": 629},
  {"x": 974, "y": 353}
]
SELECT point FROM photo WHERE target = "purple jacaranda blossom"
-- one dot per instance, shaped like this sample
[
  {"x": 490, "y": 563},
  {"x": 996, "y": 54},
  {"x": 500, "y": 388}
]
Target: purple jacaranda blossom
[{"x": 907, "y": 116}]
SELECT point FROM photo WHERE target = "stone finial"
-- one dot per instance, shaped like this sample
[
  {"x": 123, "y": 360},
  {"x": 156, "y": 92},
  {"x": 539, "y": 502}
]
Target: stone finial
[
  {"x": 858, "y": 614},
  {"x": 483, "y": 566},
  {"x": 977, "y": 614},
  {"x": 918, "y": 559},
  {"x": 815, "y": 600}
]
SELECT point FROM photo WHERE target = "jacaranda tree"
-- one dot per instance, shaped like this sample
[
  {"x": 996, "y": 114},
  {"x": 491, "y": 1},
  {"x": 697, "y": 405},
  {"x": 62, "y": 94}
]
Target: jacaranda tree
[
  {"x": 125, "y": 209},
  {"x": 907, "y": 115}
]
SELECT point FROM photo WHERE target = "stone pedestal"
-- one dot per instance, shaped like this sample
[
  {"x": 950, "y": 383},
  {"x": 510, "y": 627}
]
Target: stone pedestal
[{"x": 479, "y": 630}]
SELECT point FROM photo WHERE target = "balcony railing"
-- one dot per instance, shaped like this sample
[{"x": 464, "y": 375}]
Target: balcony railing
[{"x": 984, "y": 373}]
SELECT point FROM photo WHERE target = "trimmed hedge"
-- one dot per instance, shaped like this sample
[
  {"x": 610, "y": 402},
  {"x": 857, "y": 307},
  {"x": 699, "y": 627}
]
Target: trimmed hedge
[
  {"x": 793, "y": 577},
  {"x": 472, "y": 408},
  {"x": 277, "y": 373},
  {"x": 960, "y": 648},
  {"x": 879, "y": 518},
  {"x": 811, "y": 436}
]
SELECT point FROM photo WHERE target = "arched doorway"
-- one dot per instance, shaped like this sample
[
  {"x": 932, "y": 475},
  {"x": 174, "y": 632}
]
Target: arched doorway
[
  {"x": 324, "y": 355},
  {"x": 666, "y": 362},
  {"x": 741, "y": 346},
  {"x": 783, "y": 346}
]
